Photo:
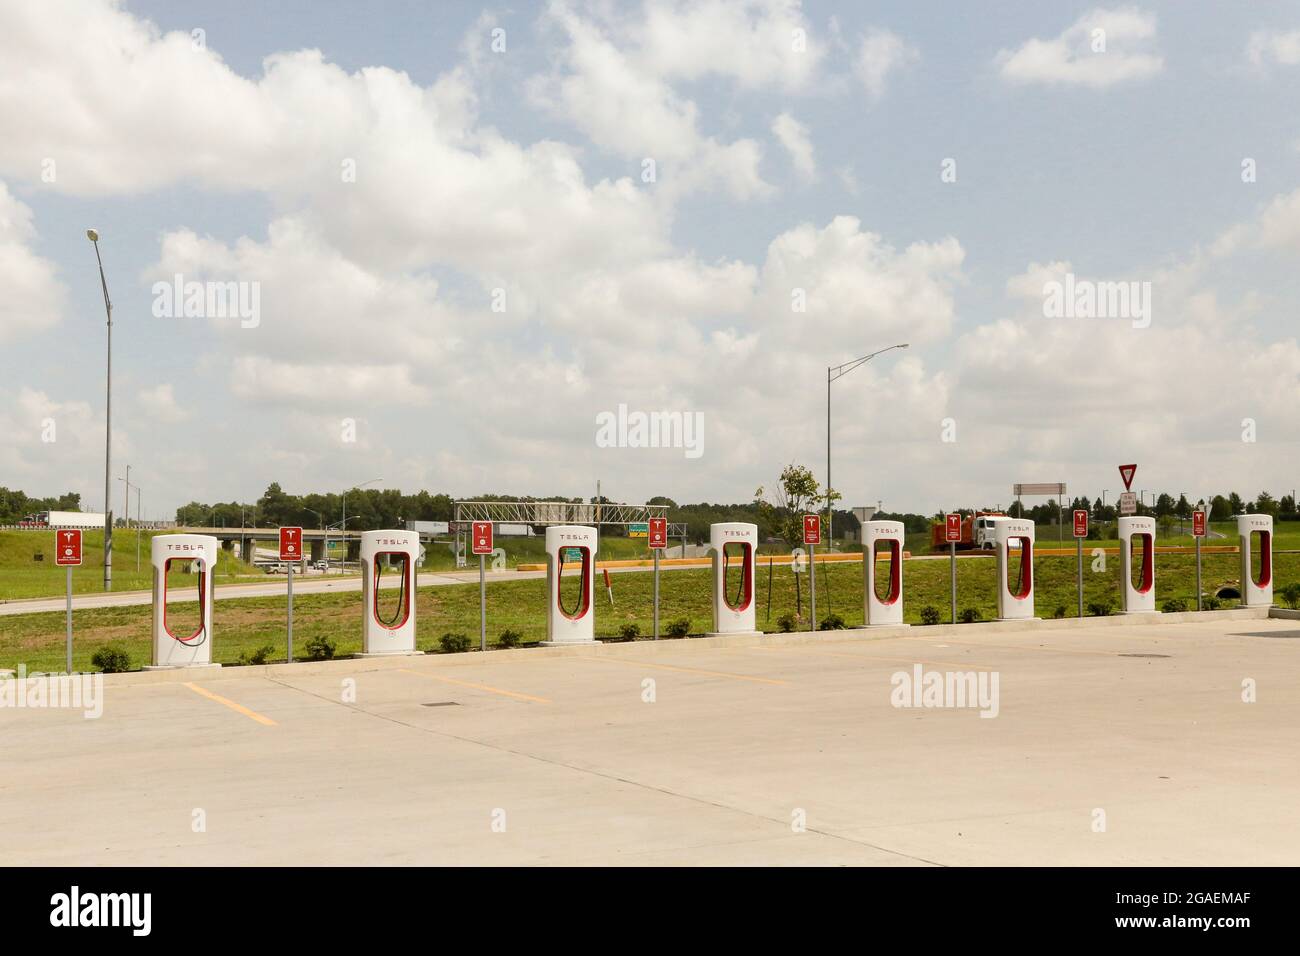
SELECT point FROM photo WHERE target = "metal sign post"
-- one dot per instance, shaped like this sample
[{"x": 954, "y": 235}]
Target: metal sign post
[
  {"x": 952, "y": 532},
  {"x": 1080, "y": 532},
  {"x": 812, "y": 536},
  {"x": 1198, "y": 532},
  {"x": 67, "y": 552},
  {"x": 481, "y": 540},
  {"x": 657, "y": 535},
  {"x": 291, "y": 553}
]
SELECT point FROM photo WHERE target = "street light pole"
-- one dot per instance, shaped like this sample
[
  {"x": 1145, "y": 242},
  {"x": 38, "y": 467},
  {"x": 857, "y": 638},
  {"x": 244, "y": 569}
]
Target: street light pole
[
  {"x": 832, "y": 373},
  {"x": 93, "y": 236}
]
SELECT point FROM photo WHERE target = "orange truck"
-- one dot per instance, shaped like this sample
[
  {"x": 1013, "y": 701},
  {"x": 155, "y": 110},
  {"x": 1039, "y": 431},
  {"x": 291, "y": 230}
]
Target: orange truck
[{"x": 976, "y": 532}]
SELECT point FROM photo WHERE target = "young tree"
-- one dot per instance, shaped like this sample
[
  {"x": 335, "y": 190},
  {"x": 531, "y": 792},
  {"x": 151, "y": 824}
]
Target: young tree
[{"x": 797, "y": 494}]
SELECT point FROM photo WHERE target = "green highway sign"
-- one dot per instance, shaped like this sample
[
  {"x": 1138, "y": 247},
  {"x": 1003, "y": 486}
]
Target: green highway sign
[{"x": 638, "y": 529}]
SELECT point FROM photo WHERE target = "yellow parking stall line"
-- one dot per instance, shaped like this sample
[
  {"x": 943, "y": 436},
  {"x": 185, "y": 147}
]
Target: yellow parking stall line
[
  {"x": 1026, "y": 647},
  {"x": 474, "y": 686},
  {"x": 891, "y": 660},
  {"x": 687, "y": 670},
  {"x": 237, "y": 708}
]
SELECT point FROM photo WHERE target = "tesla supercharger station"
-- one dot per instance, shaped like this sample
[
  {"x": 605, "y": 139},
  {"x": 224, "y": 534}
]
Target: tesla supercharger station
[
  {"x": 733, "y": 612},
  {"x": 1140, "y": 531},
  {"x": 388, "y": 554},
  {"x": 570, "y": 547},
  {"x": 172, "y": 555},
  {"x": 1017, "y": 604},
  {"x": 1256, "y": 593},
  {"x": 880, "y": 611}
]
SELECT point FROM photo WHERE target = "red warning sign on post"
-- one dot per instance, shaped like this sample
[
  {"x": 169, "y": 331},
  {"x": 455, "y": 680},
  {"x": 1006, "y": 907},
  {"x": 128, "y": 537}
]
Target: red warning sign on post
[
  {"x": 1126, "y": 473},
  {"x": 658, "y": 536},
  {"x": 1198, "y": 524},
  {"x": 482, "y": 537},
  {"x": 68, "y": 553},
  {"x": 1080, "y": 523},
  {"x": 812, "y": 529},
  {"x": 952, "y": 528},
  {"x": 291, "y": 544}
]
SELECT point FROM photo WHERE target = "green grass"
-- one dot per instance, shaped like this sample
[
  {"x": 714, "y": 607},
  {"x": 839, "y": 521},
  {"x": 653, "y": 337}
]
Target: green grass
[
  {"x": 23, "y": 576},
  {"x": 242, "y": 626}
]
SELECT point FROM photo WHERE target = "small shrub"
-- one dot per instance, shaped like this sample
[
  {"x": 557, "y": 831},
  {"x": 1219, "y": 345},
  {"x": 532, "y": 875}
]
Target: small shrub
[
  {"x": 1211, "y": 603},
  {"x": 111, "y": 660},
  {"x": 787, "y": 622},
  {"x": 630, "y": 631},
  {"x": 1059, "y": 612},
  {"x": 321, "y": 648},
  {"x": 258, "y": 656},
  {"x": 1099, "y": 608},
  {"x": 929, "y": 614},
  {"x": 678, "y": 628},
  {"x": 969, "y": 615},
  {"x": 1174, "y": 606},
  {"x": 1291, "y": 594},
  {"x": 454, "y": 643},
  {"x": 510, "y": 638},
  {"x": 832, "y": 622}
]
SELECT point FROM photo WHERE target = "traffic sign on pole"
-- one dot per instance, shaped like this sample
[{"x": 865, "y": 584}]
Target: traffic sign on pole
[
  {"x": 1128, "y": 503},
  {"x": 1198, "y": 532},
  {"x": 1080, "y": 532},
  {"x": 481, "y": 544},
  {"x": 67, "y": 553},
  {"x": 290, "y": 552},
  {"x": 657, "y": 541},
  {"x": 1126, "y": 473},
  {"x": 1198, "y": 524},
  {"x": 952, "y": 534},
  {"x": 1080, "y": 523},
  {"x": 952, "y": 528}
]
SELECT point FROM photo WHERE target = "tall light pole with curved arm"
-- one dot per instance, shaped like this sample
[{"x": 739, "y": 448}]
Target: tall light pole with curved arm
[
  {"x": 93, "y": 236},
  {"x": 834, "y": 372},
  {"x": 343, "y": 524}
]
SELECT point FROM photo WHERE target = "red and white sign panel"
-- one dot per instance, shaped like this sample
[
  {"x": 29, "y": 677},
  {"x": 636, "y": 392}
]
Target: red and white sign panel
[
  {"x": 68, "y": 553},
  {"x": 1126, "y": 472},
  {"x": 952, "y": 528},
  {"x": 1198, "y": 524},
  {"x": 812, "y": 529},
  {"x": 1080, "y": 523},
  {"x": 658, "y": 533},
  {"x": 482, "y": 537},
  {"x": 291, "y": 544}
]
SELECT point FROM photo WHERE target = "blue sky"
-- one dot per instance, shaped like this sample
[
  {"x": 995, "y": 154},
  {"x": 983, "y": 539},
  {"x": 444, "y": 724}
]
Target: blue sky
[{"x": 522, "y": 170}]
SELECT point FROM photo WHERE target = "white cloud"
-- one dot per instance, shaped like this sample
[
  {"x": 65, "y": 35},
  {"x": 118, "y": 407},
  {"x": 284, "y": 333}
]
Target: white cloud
[
  {"x": 159, "y": 403},
  {"x": 1276, "y": 47},
  {"x": 1277, "y": 226},
  {"x": 1104, "y": 47},
  {"x": 793, "y": 135},
  {"x": 33, "y": 298},
  {"x": 880, "y": 54}
]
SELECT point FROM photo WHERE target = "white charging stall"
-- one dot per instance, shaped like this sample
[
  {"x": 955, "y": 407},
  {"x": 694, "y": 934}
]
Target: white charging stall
[
  {"x": 733, "y": 545},
  {"x": 884, "y": 611},
  {"x": 1013, "y": 540},
  {"x": 570, "y": 548},
  {"x": 195, "y": 557},
  {"x": 1256, "y": 592},
  {"x": 388, "y": 620},
  {"x": 1134, "y": 531}
]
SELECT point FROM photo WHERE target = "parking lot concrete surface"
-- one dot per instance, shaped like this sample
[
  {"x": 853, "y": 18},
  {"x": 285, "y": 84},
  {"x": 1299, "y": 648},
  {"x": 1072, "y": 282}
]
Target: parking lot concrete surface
[{"x": 1132, "y": 742}]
